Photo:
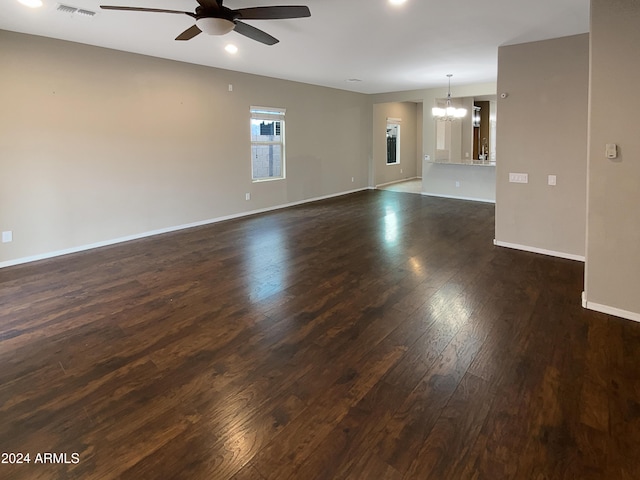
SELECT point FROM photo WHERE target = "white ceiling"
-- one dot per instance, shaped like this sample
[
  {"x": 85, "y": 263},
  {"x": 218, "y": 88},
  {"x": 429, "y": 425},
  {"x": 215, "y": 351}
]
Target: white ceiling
[{"x": 389, "y": 48}]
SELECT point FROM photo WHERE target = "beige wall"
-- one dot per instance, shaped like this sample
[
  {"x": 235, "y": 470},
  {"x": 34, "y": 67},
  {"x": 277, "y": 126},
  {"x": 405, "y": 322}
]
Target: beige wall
[
  {"x": 419, "y": 142},
  {"x": 466, "y": 182},
  {"x": 613, "y": 230},
  {"x": 97, "y": 145},
  {"x": 541, "y": 131},
  {"x": 407, "y": 168}
]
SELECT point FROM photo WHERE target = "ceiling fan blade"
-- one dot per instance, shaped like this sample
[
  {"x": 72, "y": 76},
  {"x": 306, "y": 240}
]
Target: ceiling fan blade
[
  {"x": 140, "y": 9},
  {"x": 273, "y": 13},
  {"x": 210, "y": 4},
  {"x": 189, "y": 33},
  {"x": 255, "y": 34}
]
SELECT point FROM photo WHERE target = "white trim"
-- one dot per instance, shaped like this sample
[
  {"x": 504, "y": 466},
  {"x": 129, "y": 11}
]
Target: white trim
[
  {"x": 267, "y": 113},
  {"x": 543, "y": 251},
  {"x": 82, "y": 248},
  {"x": 455, "y": 197},
  {"x": 616, "y": 312},
  {"x": 583, "y": 299}
]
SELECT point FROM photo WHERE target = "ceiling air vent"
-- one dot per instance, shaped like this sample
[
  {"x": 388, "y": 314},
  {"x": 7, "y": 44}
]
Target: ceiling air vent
[
  {"x": 85, "y": 13},
  {"x": 74, "y": 11},
  {"x": 66, "y": 9}
]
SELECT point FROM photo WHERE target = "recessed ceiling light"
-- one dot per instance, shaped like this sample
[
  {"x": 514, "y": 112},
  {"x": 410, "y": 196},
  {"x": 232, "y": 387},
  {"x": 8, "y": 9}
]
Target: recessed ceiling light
[
  {"x": 31, "y": 3},
  {"x": 397, "y": 2},
  {"x": 231, "y": 48}
]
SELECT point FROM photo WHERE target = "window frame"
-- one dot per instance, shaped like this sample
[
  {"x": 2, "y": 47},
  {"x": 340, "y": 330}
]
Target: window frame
[
  {"x": 397, "y": 123},
  {"x": 269, "y": 114}
]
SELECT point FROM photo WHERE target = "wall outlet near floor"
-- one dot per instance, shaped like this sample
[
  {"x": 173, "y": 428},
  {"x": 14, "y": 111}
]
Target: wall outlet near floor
[
  {"x": 247, "y": 196},
  {"x": 7, "y": 236},
  {"x": 518, "y": 177},
  {"x": 457, "y": 184},
  {"x": 353, "y": 179}
]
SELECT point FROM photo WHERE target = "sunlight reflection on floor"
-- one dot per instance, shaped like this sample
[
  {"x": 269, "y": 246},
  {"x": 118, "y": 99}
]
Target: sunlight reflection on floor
[{"x": 410, "y": 186}]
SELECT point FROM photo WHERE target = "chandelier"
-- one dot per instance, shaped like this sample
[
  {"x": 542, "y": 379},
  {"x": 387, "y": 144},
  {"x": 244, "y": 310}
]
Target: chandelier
[{"x": 449, "y": 112}]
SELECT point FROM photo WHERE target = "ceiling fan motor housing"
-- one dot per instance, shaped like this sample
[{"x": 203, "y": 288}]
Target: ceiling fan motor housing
[{"x": 217, "y": 21}]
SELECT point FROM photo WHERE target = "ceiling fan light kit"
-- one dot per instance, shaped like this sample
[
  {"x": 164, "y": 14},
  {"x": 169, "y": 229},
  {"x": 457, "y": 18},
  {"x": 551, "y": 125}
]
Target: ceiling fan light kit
[
  {"x": 213, "y": 18},
  {"x": 215, "y": 26}
]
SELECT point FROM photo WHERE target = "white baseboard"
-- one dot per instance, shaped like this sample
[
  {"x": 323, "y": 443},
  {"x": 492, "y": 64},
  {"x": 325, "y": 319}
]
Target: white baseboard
[
  {"x": 616, "y": 312},
  {"x": 137, "y": 236},
  {"x": 455, "y": 197},
  {"x": 552, "y": 253}
]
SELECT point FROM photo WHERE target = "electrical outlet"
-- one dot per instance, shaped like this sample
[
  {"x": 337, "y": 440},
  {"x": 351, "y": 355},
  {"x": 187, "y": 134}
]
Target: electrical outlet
[
  {"x": 7, "y": 236},
  {"x": 457, "y": 184},
  {"x": 400, "y": 170},
  {"x": 247, "y": 196},
  {"x": 353, "y": 179},
  {"x": 552, "y": 180}
]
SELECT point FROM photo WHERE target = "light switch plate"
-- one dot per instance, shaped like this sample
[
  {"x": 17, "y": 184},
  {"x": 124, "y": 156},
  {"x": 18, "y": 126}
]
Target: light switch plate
[
  {"x": 519, "y": 177},
  {"x": 552, "y": 180}
]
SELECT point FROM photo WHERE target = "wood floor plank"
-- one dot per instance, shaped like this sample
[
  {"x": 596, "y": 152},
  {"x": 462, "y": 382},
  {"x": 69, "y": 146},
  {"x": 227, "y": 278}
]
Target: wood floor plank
[
  {"x": 445, "y": 448},
  {"x": 414, "y": 420},
  {"x": 376, "y": 335}
]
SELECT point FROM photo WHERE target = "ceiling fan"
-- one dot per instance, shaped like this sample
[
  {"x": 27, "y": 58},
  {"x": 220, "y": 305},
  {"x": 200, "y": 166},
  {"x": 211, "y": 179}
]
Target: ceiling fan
[{"x": 215, "y": 19}]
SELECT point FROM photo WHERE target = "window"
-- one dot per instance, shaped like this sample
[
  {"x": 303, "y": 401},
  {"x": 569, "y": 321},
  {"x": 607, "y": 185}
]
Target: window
[
  {"x": 393, "y": 143},
  {"x": 267, "y": 143}
]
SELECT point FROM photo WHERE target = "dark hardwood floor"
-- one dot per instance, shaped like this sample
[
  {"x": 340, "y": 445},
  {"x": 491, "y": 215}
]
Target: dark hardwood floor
[{"x": 379, "y": 335}]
